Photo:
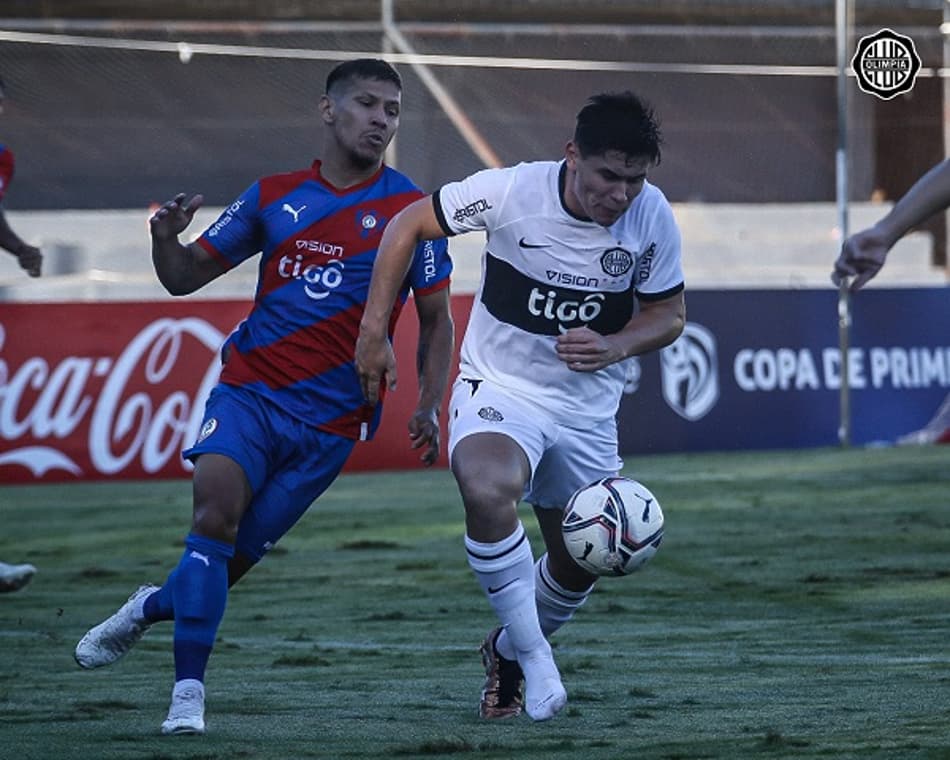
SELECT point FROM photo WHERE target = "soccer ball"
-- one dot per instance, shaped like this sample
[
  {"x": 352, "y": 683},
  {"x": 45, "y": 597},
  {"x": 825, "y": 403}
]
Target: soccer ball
[{"x": 613, "y": 526}]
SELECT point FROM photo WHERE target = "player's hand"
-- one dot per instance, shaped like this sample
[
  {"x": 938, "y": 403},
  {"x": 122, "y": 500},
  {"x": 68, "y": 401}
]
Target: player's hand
[
  {"x": 375, "y": 362},
  {"x": 30, "y": 258},
  {"x": 172, "y": 217},
  {"x": 424, "y": 432},
  {"x": 584, "y": 350},
  {"x": 862, "y": 256}
]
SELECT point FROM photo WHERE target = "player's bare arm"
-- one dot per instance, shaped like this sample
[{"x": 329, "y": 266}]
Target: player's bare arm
[
  {"x": 657, "y": 324},
  {"x": 182, "y": 269},
  {"x": 375, "y": 360},
  {"x": 863, "y": 254},
  {"x": 433, "y": 359},
  {"x": 28, "y": 256}
]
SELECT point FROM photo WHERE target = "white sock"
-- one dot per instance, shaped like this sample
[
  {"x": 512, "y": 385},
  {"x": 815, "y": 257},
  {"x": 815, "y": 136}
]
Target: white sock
[
  {"x": 556, "y": 605},
  {"x": 188, "y": 683},
  {"x": 505, "y": 570}
]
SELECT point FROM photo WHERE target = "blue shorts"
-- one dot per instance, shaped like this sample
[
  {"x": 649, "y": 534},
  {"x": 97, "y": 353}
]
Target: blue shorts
[{"x": 288, "y": 463}]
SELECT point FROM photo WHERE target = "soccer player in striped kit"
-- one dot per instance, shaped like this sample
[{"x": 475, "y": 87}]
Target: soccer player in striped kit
[{"x": 288, "y": 408}]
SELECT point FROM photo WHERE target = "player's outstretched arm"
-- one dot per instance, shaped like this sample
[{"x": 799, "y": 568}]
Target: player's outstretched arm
[
  {"x": 863, "y": 253},
  {"x": 181, "y": 269},
  {"x": 375, "y": 360},
  {"x": 433, "y": 360}
]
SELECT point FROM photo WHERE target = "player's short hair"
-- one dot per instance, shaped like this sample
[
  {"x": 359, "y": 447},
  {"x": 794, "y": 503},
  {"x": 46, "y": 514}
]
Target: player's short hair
[
  {"x": 618, "y": 121},
  {"x": 362, "y": 68}
]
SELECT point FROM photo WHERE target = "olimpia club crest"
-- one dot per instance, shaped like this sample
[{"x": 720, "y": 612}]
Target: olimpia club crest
[{"x": 886, "y": 64}]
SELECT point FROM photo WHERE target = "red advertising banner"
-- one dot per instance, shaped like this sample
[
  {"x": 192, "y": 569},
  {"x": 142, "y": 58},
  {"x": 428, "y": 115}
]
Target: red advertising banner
[{"x": 92, "y": 391}]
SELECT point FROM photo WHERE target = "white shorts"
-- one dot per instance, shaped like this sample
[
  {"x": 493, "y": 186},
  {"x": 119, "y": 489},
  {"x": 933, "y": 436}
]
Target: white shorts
[{"x": 562, "y": 459}]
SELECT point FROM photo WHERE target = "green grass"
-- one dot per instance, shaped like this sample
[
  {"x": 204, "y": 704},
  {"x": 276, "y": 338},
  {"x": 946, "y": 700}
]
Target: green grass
[{"x": 798, "y": 608}]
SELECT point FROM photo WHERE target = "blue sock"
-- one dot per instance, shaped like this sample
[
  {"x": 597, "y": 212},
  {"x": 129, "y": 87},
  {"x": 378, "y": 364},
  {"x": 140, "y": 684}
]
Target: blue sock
[
  {"x": 161, "y": 604},
  {"x": 200, "y": 593}
]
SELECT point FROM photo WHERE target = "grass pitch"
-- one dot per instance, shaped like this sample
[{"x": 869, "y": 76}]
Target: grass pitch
[{"x": 798, "y": 608}]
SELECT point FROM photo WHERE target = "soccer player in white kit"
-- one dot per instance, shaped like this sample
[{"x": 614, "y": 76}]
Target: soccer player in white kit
[{"x": 581, "y": 271}]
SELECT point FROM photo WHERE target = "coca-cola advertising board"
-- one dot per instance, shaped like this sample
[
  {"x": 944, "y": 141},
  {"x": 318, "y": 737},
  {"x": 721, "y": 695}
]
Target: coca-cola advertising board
[{"x": 91, "y": 391}]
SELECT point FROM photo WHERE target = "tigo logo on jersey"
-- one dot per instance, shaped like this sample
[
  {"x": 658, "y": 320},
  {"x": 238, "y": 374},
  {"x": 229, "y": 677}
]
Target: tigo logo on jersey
[
  {"x": 320, "y": 279},
  {"x": 567, "y": 313},
  {"x": 886, "y": 64}
]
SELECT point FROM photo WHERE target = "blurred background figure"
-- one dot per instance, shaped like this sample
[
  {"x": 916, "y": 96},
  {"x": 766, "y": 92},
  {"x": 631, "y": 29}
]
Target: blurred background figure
[
  {"x": 15, "y": 577},
  {"x": 864, "y": 253},
  {"x": 29, "y": 256}
]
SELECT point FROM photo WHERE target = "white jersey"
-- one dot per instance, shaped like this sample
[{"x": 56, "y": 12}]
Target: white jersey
[{"x": 544, "y": 270}]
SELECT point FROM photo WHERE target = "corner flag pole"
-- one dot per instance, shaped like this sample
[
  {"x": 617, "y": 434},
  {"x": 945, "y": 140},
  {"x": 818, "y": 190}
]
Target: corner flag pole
[{"x": 841, "y": 192}]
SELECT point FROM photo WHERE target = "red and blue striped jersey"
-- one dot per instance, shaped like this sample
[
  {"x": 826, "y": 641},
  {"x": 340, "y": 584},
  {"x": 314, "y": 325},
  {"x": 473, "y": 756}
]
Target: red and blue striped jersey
[{"x": 318, "y": 244}]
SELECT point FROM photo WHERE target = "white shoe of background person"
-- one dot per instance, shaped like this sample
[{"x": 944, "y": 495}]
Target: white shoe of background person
[{"x": 15, "y": 577}]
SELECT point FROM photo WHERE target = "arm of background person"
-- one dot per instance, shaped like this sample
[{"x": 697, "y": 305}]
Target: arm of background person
[
  {"x": 863, "y": 253},
  {"x": 29, "y": 256}
]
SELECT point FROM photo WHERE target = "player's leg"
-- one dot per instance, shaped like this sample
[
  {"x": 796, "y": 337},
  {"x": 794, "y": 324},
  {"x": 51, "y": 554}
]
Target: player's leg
[
  {"x": 233, "y": 456},
  {"x": 306, "y": 462},
  {"x": 562, "y": 586},
  {"x": 196, "y": 590},
  {"x": 492, "y": 469},
  {"x": 199, "y": 584},
  {"x": 159, "y": 604},
  {"x": 312, "y": 462},
  {"x": 576, "y": 458}
]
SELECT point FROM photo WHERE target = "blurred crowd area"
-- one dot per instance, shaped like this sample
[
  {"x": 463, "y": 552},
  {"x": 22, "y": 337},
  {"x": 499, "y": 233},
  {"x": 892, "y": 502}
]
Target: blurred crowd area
[
  {"x": 461, "y": 11},
  {"x": 116, "y": 105}
]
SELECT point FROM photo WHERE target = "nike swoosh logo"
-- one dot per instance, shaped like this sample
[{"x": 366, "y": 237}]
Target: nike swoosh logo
[
  {"x": 525, "y": 244},
  {"x": 494, "y": 590}
]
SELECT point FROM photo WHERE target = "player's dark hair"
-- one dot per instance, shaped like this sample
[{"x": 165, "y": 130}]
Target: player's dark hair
[
  {"x": 618, "y": 121},
  {"x": 362, "y": 68}
]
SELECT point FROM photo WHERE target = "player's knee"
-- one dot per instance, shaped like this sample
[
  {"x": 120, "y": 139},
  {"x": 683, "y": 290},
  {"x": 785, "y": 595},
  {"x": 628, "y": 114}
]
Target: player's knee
[
  {"x": 484, "y": 493},
  {"x": 212, "y": 520}
]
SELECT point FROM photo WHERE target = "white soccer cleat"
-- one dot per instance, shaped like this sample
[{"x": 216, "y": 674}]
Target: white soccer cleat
[
  {"x": 14, "y": 577},
  {"x": 116, "y": 635},
  {"x": 187, "y": 712},
  {"x": 544, "y": 694}
]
